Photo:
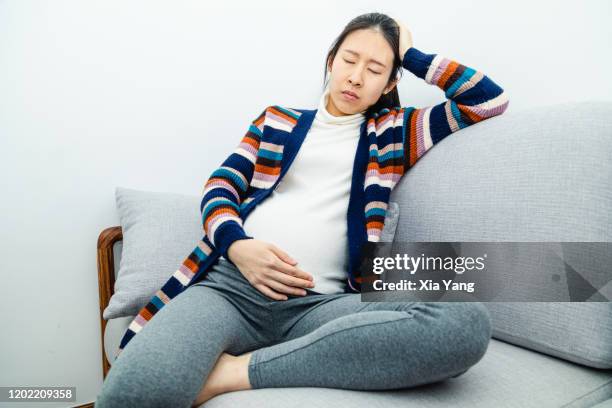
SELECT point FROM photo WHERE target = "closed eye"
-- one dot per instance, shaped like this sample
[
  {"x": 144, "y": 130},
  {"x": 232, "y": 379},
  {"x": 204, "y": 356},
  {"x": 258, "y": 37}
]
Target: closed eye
[{"x": 374, "y": 72}]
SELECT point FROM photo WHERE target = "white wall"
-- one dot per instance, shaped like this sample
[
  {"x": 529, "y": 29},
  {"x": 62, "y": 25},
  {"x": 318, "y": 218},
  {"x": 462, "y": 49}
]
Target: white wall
[{"x": 154, "y": 95}]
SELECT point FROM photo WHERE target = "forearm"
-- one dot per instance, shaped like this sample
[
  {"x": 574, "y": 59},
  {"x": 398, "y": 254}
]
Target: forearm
[
  {"x": 460, "y": 83},
  {"x": 223, "y": 225},
  {"x": 471, "y": 97},
  {"x": 227, "y": 188}
]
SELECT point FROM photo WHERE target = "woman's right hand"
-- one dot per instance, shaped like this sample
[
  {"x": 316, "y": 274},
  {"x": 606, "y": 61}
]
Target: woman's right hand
[
  {"x": 269, "y": 269},
  {"x": 405, "y": 38}
]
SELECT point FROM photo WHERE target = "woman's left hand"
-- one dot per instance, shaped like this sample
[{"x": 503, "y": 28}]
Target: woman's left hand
[{"x": 405, "y": 38}]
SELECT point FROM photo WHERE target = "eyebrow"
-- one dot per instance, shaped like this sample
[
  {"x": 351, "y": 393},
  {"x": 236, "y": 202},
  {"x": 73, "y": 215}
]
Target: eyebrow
[{"x": 370, "y": 60}]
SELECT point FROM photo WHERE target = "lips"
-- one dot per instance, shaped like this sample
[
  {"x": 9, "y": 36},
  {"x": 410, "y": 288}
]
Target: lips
[{"x": 351, "y": 93}]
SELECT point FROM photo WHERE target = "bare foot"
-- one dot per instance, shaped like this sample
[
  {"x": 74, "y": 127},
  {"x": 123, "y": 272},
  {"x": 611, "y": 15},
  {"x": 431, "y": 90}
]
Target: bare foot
[{"x": 230, "y": 373}]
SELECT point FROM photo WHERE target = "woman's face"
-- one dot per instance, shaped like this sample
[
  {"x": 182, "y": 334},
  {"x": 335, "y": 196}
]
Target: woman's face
[{"x": 362, "y": 65}]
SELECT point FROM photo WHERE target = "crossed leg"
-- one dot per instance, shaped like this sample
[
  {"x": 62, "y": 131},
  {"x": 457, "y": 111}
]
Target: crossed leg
[
  {"x": 167, "y": 363},
  {"x": 344, "y": 343}
]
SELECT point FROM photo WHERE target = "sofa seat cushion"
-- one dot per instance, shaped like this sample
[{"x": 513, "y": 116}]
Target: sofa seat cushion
[
  {"x": 508, "y": 376},
  {"x": 517, "y": 376}
]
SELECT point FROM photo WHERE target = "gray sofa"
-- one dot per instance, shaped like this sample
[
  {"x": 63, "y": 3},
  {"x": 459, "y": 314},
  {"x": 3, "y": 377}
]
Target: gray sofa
[{"x": 539, "y": 175}]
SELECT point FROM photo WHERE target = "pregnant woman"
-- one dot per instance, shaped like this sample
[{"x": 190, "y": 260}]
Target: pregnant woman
[{"x": 270, "y": 297}]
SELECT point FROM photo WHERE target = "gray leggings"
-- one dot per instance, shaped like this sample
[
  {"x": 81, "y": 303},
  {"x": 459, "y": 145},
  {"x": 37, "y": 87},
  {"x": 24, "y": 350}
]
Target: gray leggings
[{"x": 317, "y": 340}]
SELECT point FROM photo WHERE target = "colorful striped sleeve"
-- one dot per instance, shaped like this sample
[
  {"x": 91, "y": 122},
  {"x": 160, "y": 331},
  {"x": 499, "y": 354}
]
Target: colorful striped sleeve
[
  {"x": 471, "y": 97},
  {"x": 227, "y": 187}
]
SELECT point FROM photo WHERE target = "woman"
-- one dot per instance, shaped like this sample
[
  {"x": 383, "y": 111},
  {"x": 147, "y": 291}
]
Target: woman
[{"x": 275, "y": 311}]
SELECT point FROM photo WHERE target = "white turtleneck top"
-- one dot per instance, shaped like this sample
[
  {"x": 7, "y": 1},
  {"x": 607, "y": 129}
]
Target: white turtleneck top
[{"x": 306, "y": 214}]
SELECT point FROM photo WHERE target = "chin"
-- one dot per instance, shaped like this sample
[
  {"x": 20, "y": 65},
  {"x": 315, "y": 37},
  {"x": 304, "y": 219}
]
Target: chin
[
  {"x": 354, "y": 111},
  {"x": 347, "y": 108}
]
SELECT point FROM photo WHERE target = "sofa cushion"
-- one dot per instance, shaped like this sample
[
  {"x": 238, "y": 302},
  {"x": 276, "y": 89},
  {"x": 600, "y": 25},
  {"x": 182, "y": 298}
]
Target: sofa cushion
[
  {"x": 507, "y": 375},
  {"x": 391, "y": 220},
  {"x": 605, "y": 404},
  {"x": 541, "y": 175},
  {"x": 159, "y": 231},
  {"x": 569, "y": 330},
  {"x": 518, "y": 376},
  {"x": 113, "y": 333}
]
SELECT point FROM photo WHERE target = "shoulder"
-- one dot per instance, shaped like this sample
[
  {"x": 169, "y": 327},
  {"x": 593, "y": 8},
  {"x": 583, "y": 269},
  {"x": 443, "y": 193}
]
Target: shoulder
[
  {"x": 284, "y": 112},
  {"x": 384, "y": 114},
  {"x": 280, "y": 117}
]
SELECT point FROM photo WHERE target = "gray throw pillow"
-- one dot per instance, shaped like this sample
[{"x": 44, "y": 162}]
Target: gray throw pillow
[{"x": 159, "y": 231}]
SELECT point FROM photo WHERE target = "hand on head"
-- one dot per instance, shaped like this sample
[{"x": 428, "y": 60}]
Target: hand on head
[{"x": 405, "y": 38}]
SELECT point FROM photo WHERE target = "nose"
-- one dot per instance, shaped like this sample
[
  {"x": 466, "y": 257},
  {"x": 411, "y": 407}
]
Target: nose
[{"x": 355, "y": 78}]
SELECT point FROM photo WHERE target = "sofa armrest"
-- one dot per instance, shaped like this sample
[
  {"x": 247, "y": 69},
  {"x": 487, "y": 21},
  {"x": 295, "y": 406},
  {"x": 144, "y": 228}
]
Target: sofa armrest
[{"x": 106, "y": 277}]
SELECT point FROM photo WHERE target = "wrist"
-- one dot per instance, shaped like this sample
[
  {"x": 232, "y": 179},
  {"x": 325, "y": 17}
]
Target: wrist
[
  {"x": 417, "y": 62},
  {"x": 403, "y": 55},
  {"x": 412, "y": 54},
  {"x": 231, "y": 251},
  {"x": 232, "y": 255},
  {"x": 226, "y": 235}
]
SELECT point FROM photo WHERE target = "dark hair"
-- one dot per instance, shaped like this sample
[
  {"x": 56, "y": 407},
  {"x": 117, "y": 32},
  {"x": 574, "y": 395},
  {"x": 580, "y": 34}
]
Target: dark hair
[{"x": 390, "y": 31}]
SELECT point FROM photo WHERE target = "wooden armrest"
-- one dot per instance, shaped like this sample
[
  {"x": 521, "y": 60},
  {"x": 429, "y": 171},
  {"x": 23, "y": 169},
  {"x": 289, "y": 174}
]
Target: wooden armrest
[{"x": 106, "y": 277}]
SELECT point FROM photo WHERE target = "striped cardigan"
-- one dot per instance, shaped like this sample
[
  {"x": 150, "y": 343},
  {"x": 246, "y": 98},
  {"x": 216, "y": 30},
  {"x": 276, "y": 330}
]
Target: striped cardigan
[{"x": 391, "y": 142}]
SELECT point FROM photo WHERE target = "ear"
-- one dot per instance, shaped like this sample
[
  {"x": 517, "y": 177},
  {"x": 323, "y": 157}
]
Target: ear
[{"x": 390, "y": 87}]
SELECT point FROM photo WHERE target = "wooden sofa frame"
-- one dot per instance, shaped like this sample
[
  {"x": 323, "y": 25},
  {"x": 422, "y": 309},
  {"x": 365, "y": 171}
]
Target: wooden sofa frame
[{"x": 106, "y": 278}]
